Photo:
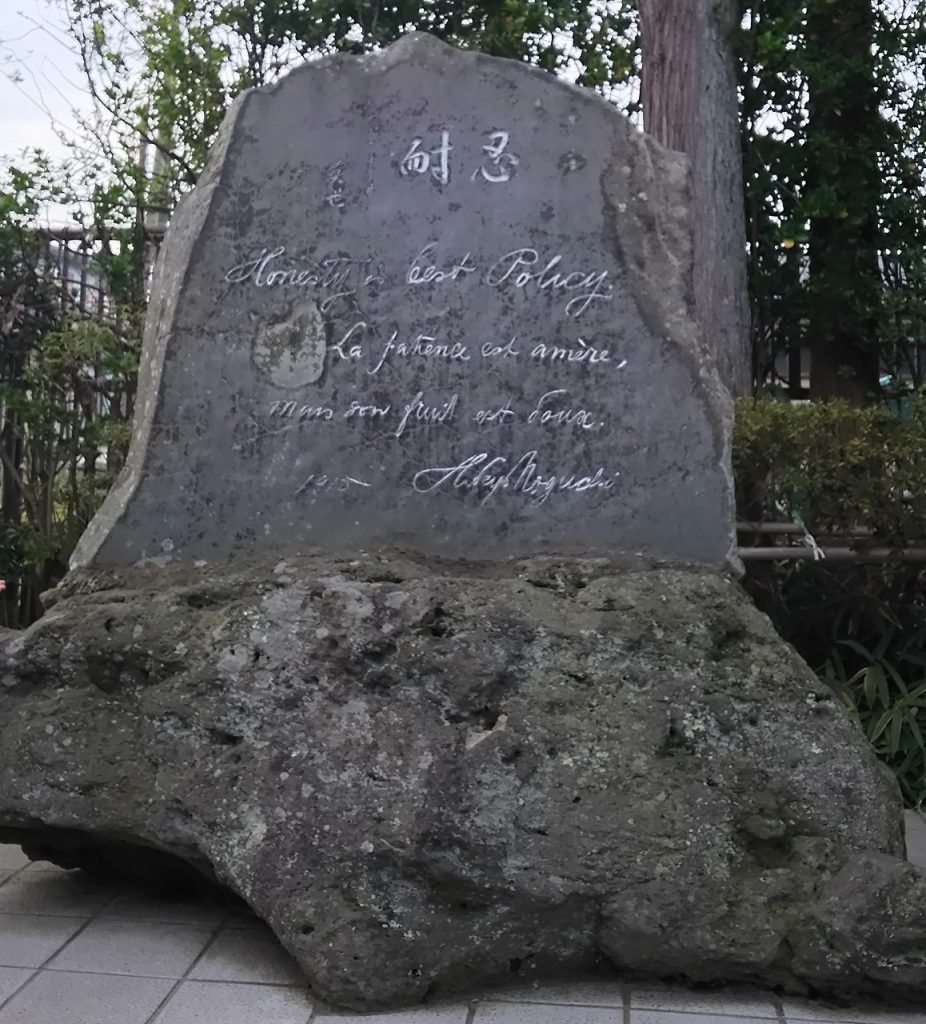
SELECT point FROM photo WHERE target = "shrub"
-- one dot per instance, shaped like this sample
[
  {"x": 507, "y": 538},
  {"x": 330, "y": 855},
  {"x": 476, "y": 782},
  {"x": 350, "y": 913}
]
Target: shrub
[{"x": 834, "y": 465}]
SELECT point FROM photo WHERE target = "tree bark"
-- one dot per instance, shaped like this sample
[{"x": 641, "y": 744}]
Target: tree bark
[
  {"x": 691, "y": 104},
  {"x": 844, "y": 189}
]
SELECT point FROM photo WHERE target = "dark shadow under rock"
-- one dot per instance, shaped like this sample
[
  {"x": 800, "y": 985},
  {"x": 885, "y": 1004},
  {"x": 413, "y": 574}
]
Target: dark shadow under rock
[{"x": 157, "y": 873}]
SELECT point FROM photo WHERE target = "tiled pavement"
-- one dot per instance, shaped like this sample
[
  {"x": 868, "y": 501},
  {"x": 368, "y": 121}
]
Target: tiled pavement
[{"x": 75, "y": 951}]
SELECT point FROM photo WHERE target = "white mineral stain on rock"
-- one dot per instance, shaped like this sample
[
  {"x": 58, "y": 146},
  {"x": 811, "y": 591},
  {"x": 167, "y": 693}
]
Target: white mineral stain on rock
[
  {"x": 232, "y": 660},
  {"x": 475, "y": 736},
  {"x": 356, "y": 603},
  {"x": 292, "y": 353},
  {"x": 255, "y": 829}
]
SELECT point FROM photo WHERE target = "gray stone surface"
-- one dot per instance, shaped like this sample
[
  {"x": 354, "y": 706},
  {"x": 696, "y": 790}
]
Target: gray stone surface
[
  {"x": 430, "y": 300},
  {"x": 870, "y": 921},
  {"x": 425, "y": 777}
]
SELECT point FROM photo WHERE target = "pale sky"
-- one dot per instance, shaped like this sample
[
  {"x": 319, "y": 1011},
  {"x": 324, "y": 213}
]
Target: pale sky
[{"x": 34, "y": 48}]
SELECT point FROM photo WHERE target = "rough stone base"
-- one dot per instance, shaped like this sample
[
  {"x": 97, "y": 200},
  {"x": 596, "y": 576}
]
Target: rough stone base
[{"x": 426, "y": 778}]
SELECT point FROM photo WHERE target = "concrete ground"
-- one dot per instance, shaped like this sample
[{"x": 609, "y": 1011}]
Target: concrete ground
[{"x": 75, "y": 951}]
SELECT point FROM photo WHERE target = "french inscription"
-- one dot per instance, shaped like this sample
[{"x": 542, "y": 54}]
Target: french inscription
[
  {"x": 493, "y": 350},
  {"x": 553, "y": 409},
  {"x": 496, "y": 415},
  {"x": 424, "y": 347},
  {"x": 288, "y": 410},
  {"x": 359, "y": 411},
  {"x": 523, "y": 270},
  {"x": 563, "y": 281},
  {"x": 419, "y": 411}
]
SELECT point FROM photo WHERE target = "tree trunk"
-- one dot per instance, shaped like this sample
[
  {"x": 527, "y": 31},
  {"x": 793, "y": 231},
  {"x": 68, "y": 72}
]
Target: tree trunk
[
  {"x": 691, "y": 104},
  {"x": 844, "y": 188}
]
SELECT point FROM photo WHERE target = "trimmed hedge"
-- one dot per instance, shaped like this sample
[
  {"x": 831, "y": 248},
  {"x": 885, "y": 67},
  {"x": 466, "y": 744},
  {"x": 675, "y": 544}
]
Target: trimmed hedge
[{"x": 834, "y": 465}]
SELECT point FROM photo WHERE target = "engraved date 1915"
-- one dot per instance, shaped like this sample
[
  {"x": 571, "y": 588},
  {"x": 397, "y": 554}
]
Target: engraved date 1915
[{"x": 329, "y": 483}]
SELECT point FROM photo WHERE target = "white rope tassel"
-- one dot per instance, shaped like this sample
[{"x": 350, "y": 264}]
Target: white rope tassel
[{"x": 818, "y": 553}]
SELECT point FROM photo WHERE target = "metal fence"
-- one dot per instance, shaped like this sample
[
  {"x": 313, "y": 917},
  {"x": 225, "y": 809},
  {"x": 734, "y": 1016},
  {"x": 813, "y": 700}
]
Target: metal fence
[{"x": 72, "y": 257}]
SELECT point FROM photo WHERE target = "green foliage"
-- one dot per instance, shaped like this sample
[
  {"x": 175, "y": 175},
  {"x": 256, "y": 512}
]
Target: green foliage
[
  {"x": 833, "y": 110},
  {"x": 842, "y": 468},
  {"x": 863, "y": 628},
  {"x": 835, "y": 465},
  {"x": 67, "y": 384},
  {"x": 834, "y": 134},
  {"x": 887, "y": 695},
  {"x": 166, "y": 70}
]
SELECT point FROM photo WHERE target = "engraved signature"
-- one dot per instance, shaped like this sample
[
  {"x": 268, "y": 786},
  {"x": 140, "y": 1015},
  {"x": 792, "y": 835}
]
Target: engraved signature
[{"x": 490, "y": 475}]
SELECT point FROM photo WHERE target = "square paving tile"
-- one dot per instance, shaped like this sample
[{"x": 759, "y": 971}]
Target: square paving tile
[
  {"x": 27, "y": 940},
  {"x": 729, "y": 1002},
  {"x": 62, "y": 893},
  {"x": 455, "y": 1014},
  {"x": 577, "y": 993},
  {"x": 247, "y": 956},
  {"x": 144, "y": 949},
  {"x": 209, "y": 1002},
  {"x": 132, "y": 907},
  {"x": 54, "y": 997},
  {"x": 11, "y": 978},
  {"x": 12, "y": 858},
  {"x": 797, "y": 1010},
  {"x": 668, "y": 1017},
  {"x": 541, "y": 1013}
]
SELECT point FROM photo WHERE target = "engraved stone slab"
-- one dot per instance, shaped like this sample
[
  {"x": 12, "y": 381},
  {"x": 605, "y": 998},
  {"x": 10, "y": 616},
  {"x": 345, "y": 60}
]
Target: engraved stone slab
[{"x": 432, "y": 300}]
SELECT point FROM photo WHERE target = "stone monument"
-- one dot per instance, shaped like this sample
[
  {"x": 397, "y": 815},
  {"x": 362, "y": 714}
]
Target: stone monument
[
  {"x": 441, "y": 308},
  {"x": 411, "y": 618}
]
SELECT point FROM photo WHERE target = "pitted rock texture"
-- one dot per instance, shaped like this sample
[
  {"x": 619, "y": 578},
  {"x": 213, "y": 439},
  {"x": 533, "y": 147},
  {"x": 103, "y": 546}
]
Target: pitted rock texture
[{"x": 427, "y": 778}]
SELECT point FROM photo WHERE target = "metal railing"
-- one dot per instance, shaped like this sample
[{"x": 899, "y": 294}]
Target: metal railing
[
  {"x": 852, "y": 545},
  {"x": 73, "y": 258}
]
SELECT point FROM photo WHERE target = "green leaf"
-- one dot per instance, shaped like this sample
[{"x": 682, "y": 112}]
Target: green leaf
[
  {"x": 878, "y": 731},
  {"x": 895, "y": 730},
  {"x": 916, "y": 732}
]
